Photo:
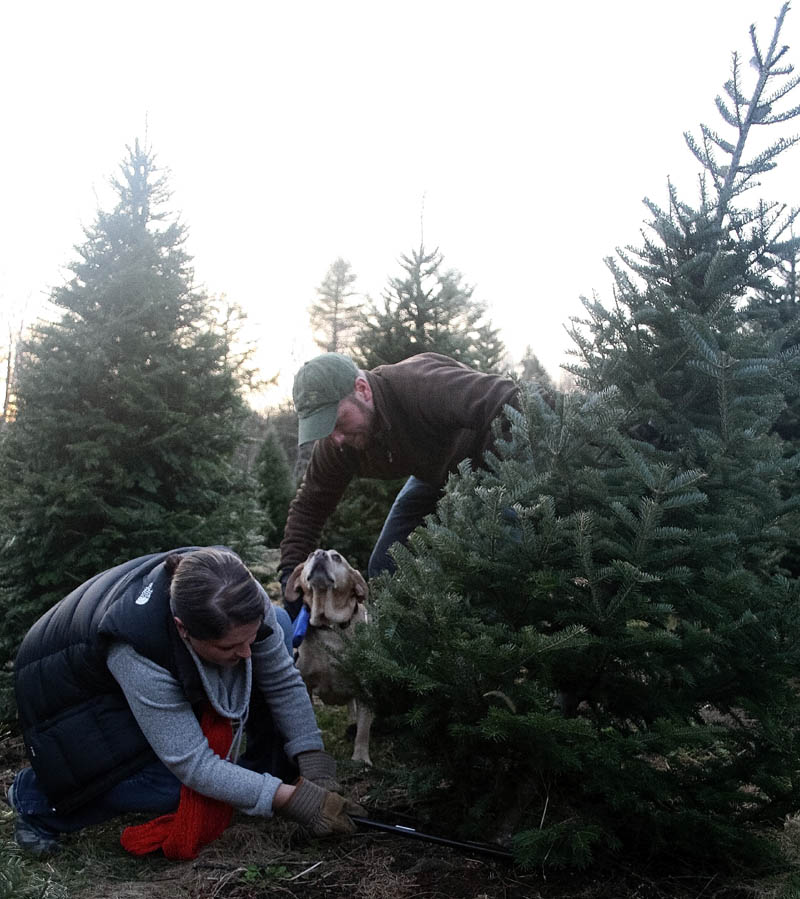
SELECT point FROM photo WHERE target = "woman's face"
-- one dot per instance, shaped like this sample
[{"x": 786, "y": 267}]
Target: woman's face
[{"x": 226, "y": 651}]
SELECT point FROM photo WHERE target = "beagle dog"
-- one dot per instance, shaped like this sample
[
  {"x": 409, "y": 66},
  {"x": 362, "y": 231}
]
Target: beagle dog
[{"x": 334, "y": 593}]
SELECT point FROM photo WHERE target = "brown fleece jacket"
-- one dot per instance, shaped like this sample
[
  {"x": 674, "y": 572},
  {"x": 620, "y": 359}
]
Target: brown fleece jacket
[{"x": 431, "y": 413}]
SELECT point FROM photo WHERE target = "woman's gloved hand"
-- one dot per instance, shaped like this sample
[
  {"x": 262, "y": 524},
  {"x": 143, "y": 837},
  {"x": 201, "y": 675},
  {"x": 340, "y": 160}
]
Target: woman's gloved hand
[
  {"x": 320, "y": 768},
  {"x": 322, "y": 812}
]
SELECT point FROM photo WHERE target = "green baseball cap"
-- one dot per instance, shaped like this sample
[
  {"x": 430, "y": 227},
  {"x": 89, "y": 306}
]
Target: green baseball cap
[{"x": 318, "y": 388}]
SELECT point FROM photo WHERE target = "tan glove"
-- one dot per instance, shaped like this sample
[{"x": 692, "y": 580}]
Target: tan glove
[
  {"x": 320, "y": 768},
  {"x": 322, "y": 812}
]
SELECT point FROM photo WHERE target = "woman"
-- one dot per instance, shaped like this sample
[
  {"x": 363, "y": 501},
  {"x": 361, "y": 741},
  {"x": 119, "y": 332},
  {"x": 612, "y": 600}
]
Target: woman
[{"x": 122, "y": 683}]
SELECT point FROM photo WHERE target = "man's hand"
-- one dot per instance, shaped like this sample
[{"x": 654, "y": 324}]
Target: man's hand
[
  {"x": 292, "y": 604},
  {"x": 322, "y": 812}
]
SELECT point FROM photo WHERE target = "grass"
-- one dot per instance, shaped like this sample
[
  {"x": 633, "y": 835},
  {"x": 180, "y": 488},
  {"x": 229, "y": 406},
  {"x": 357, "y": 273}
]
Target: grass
[{"x": 258, "y": 858}]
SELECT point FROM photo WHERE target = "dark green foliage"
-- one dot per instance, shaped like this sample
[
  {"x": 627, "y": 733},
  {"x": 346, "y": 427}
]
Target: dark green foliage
[
  {"x": 591, "y": 647},
  {"x": 275, "y": 487},
  {"x": 129, "y": 411},
  {"x": 774, "y": 314},
  {"x": 428, "y": 309},
  {"x": 283, "y": 421},
  {"x": 354, "y": 527},
  {"x": 600, "y": 589},
  {"x": 776, "y": 307}
]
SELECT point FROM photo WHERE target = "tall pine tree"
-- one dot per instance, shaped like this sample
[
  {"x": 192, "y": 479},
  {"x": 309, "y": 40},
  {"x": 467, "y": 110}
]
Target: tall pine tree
[
  {"x": 428, "y": 309},
  {"x": 598, "y": 635},
  {"x": 276, "y": 487},
  {"x": 531, "y": 369},
  {"x": 128, "y": 412},
  {"x": 334, "y": 314}
]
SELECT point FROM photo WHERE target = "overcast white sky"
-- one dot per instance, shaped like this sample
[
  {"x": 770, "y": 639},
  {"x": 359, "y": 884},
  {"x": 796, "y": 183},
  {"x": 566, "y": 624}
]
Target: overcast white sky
[{"x": 296, "y": 132}]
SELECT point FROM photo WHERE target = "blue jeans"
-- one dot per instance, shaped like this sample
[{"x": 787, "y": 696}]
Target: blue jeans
[
  {"x": 154, "y": 788},
  {"x": 415, "y": 500},
  {"x": 413, "y": 503}
]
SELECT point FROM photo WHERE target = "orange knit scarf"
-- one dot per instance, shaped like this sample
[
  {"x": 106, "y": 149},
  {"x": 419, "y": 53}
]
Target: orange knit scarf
[{"x": 198, "y": 820}]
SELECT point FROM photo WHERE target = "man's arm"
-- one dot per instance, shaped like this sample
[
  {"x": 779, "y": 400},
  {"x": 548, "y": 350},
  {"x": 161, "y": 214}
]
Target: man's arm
[{"x": 326, "y": 478}]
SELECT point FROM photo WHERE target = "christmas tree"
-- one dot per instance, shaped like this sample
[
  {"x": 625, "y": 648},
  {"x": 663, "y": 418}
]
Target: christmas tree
[
  {"x": 128, "y": 413},
  {"x": 428, "y": 309},
  {"x": 590, "y": 648}
]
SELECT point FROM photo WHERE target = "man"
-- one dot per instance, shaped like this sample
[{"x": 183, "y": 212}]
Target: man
[{"x": 418, "y": 418}]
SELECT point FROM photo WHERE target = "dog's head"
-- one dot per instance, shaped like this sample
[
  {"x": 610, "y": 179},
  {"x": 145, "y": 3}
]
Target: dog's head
[{"x": 330, "y": 587}]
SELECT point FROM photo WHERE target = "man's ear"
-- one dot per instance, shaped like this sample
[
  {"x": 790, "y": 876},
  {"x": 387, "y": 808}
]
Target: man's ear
[
  {"x": 362, "y": 389},
  {"x": 183, "y": 633}
]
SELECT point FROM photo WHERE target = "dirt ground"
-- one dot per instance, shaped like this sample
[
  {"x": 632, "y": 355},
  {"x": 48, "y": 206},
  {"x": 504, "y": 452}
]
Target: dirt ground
[
  {"x": 257, "y": 858},
  {"x": 251, "y": 861}
]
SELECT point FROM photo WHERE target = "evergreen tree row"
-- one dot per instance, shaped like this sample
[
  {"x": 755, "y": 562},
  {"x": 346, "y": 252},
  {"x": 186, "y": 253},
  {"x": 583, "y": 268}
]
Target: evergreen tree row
[
  {"x": 125, "y": 426},
  {"x": 425, "y": 309}
]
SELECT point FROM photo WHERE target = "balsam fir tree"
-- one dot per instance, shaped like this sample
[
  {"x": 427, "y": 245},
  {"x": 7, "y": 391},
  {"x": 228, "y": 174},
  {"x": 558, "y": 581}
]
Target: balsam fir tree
[
  {"x": 531, "y": 369},
  {"x": 275, "y": 487},
  {"x": 128, "y": 413},
  {"x": 591, "y": 646},
  {"x": 334, "y": 313},
  {"x": 428, "y": 309}
]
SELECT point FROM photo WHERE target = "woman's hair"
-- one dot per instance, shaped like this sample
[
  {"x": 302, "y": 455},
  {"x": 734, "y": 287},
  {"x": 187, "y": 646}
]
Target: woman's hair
[{"x": 212, "y": 591}]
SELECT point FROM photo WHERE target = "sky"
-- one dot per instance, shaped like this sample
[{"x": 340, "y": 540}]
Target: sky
[{"x": 519, "y": 137}]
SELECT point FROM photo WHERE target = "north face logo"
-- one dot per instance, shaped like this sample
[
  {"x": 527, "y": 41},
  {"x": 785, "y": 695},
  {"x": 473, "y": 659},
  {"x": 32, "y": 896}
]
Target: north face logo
[{"x": 145, "y": 595}]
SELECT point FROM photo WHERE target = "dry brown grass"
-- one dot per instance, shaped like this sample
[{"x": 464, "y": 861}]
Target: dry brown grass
[{"x": 257, "y": 858}]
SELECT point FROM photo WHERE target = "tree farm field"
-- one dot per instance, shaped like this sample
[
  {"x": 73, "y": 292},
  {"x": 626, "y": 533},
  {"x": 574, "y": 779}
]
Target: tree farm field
[
  {"x": 589, "y": 654},
  {"x": 256, "y": 858}
]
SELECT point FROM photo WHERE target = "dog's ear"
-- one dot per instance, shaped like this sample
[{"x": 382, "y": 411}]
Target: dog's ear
[
  {"x": 360, "y": 588},
  {"x": 293, "y": 589}
]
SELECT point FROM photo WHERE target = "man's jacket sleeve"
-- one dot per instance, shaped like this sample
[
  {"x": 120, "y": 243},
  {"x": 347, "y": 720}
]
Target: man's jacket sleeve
[{"x": 326, "y": 478}]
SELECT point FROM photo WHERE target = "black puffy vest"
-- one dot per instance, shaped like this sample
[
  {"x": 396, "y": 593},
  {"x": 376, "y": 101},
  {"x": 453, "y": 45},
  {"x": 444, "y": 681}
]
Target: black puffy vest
[{"x": 80, "y": 734}]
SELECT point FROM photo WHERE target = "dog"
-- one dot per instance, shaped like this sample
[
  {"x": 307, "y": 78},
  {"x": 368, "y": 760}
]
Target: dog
[{"x": 335, "y": 594}]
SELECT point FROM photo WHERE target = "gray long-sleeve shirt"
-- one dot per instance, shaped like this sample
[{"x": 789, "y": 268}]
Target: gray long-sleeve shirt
[{"x": 167, "y": 720}]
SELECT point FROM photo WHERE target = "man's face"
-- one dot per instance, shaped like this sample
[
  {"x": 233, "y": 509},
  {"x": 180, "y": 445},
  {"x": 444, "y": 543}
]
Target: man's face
[{"x": 354, "y": 420}]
